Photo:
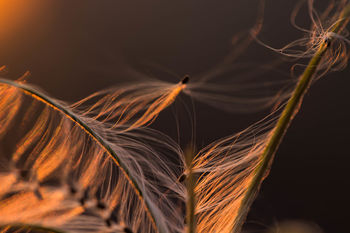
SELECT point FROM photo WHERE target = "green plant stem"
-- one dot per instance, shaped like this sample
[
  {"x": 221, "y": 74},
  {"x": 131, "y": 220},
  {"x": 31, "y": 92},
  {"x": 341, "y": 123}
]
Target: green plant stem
[
  {"x": 288, "y": 113},
  {"x": 97, "y": 138},
  {"x": 191, "y": 197}
]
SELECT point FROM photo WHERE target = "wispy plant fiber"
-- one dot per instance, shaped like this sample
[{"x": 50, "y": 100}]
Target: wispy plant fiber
[{"x": 72, "y": 168}]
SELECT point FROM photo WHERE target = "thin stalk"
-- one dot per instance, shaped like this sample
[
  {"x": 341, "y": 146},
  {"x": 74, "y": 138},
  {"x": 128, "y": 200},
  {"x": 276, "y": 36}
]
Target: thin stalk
[
  {"x": 94, "y": 136},
  {"x": 288, "y": 113},
  {"x": 191, "y": 197}
]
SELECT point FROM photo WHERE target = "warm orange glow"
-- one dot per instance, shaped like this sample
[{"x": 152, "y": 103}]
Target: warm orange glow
[
  {"x": 15, "y": 15},
  {"x": 159, "y": 105}
]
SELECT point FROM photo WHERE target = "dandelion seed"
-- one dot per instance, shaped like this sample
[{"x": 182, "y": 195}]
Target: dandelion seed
[
  {"x": 135, "y": 105},
  {"x": 92, "y": 175},
  {"x": 321, "y": 33},
  {"x": 225, "y": 169}
]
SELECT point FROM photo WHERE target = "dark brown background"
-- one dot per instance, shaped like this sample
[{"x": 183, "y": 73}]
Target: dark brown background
[{"x": 74, "y": 48}]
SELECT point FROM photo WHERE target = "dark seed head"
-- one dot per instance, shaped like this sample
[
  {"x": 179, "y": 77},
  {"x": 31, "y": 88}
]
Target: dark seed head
[
  {"x": 185, "y": 79},
  {"x": 101, "y": 205},
  {"x": 327, "y": 41},
  {"x": 84, "y": 197},
  {"x": 82, "y": 201},
  {"x": 127, "y": 230},
  {"x": 38, "y": 195},
  {"x": 113, "y": 217},
  {"x": 72, "y": 189},
  {"x": 182, "y": 178},
  {"x": 108, "y": 222},
  {"x": 86, "y": 194},
  {"x": 25, "y": 174}
]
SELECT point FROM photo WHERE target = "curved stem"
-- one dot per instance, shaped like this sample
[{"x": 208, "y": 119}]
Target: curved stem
[
  {"x": 288, "y": 113},
  {"x": 97, "y": 138}
]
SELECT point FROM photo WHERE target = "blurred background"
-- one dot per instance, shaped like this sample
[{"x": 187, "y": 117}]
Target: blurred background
[{"x": 74, "y": 48}]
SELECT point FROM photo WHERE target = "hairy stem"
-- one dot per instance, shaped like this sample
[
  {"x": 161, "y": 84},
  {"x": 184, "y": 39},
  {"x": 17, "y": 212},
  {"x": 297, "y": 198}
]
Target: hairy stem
[
  {"x": 96, "y": 137},
  {"x": 288, "y": 113}
]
